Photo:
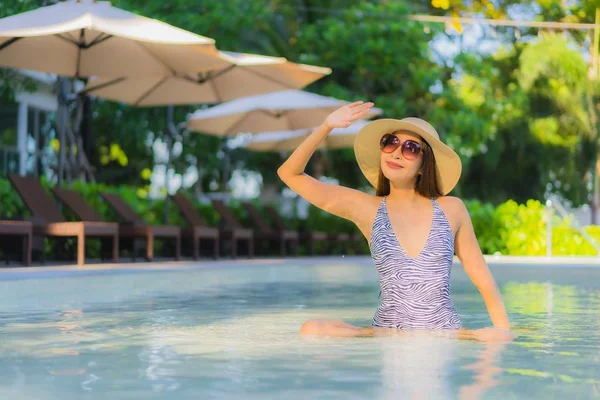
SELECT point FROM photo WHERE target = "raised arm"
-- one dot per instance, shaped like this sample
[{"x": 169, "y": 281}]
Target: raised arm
[{"x": 341, "y": 201}]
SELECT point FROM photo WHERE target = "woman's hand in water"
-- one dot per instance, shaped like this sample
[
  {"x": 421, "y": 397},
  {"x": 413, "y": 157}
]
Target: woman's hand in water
[
  {"x": 494, "y": 335},
  {"x": 344, "y": 116}
]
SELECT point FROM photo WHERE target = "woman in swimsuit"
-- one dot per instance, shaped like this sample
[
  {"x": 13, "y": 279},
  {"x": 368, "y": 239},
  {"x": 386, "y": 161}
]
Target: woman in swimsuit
[{"x": 413, "y": 228}]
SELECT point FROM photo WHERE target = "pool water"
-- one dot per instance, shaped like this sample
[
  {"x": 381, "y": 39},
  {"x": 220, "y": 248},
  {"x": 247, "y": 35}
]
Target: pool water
[{"x": 230, "y": 330}]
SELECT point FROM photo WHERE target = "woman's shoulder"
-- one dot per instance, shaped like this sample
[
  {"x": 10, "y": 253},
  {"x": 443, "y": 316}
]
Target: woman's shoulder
[
  {"x": 452, "y": 206},
  {"x": 451, "y": 201}
]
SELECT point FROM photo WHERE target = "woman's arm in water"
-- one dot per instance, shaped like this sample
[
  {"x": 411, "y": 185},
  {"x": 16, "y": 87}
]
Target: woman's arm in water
[
  {"x": 469, "y": 254},
  {"x": 338, "y": 200}
]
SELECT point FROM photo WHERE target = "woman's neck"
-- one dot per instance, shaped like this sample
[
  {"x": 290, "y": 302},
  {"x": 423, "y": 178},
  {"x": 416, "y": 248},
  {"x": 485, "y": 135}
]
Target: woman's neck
[{"x": 404, "y": 195}]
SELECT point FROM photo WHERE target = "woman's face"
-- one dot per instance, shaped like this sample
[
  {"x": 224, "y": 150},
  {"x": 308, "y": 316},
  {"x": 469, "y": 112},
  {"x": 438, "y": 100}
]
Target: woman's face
[{"x": 396, "y": 166}]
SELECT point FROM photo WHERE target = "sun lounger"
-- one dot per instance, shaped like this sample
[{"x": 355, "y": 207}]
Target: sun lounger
[
  {"x": 230, "y": 229},
  {"x": 49, "y": 222},
  {"x": 22, "y": 230},
  {"x": 198, "y": 228},
  {"x": 265, "y": 232},
  {"x": 134, "y": 227},
  {"x": 312, "y": 237}
]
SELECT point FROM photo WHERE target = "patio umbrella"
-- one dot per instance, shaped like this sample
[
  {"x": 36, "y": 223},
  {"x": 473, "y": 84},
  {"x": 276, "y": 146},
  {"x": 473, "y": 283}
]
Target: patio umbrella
[
  {"x": 80, "y": 38},
  {"x": 243, "y": 75},
  {"x": 272, "y": 112},
  {"x": 339, "y": 138},
  {"x": 287, "y": 141},
  {"x": 279, "y": 111}
]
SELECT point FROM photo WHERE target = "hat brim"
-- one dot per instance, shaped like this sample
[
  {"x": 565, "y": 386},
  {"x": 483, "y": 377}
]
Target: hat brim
[{"x": 368, "y": 153}]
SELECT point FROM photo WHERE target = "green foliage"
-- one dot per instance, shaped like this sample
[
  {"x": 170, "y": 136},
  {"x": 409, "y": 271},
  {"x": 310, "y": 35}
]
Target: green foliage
[
  {"x": 221, "y": 20},
  {"x": 522, "y": 228},
  {"x": 461, "y": 116},
  {"x": 551, "y": 59},
  {"x": 555, "y": 78},
  {"x": 8, "y": 8},
  {"x": 385, "y": 61},
  {"x": 11, "y": 206},
  {"x": 543, "y": 136},
  {"x": 567, "y": 241},
  {"x": 365, "y": 59},
  {"x": 11, "y": 83},
  {"x": 485, "y": 226}
]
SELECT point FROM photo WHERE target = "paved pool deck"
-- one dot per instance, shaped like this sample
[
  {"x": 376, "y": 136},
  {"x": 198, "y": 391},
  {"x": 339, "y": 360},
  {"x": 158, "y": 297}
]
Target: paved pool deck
[{"x": 16, "y": 271}]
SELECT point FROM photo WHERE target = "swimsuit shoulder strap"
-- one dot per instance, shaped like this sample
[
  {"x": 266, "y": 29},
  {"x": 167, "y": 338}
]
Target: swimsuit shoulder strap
[{"x": 379, "y": 220}]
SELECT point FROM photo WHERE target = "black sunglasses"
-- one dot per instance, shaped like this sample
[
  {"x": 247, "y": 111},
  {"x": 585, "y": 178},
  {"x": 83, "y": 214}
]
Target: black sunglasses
[{"x": 410, "y": 149}]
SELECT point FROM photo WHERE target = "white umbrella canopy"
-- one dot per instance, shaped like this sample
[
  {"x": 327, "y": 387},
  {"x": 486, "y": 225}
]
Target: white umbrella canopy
[
  {"x": 285, "y": 141},
  {"x": 287, "y": 110},
  {"x": 243, "y": 75},
  {"x": 81, "y": 38}
]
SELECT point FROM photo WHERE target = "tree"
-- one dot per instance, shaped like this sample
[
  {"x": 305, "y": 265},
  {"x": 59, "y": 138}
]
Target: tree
[{"x": 561, "y": 99}]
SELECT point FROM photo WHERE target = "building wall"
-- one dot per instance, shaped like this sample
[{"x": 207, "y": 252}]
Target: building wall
[{"x": 30, "y": 108}]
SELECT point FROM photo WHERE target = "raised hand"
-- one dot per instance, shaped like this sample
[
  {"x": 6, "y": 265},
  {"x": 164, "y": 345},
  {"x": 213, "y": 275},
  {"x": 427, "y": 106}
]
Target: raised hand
[{"x": 344, "y": 116}]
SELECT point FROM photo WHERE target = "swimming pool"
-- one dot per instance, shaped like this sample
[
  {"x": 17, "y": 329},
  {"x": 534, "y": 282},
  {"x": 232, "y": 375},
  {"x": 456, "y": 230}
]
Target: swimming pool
[{"x": 229, "y": 330}]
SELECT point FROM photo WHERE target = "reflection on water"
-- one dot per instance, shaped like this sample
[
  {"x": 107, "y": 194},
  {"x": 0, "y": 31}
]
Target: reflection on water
[
  {"x": 533, "y": 298},
  {"x": 160, "y": 360},
  {"x": 417, "y": 367},
  {"x": 485, "y": 369},
  {"x": 234, "y": 333}
]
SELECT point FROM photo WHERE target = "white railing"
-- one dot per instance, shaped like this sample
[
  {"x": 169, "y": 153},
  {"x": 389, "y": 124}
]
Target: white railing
[{"x": 553, "y": 204}]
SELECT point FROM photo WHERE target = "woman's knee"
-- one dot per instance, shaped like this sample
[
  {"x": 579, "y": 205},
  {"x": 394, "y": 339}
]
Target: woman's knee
[
  {"x": 313, "y": 327},
  {"x": 328, "y": 327}
]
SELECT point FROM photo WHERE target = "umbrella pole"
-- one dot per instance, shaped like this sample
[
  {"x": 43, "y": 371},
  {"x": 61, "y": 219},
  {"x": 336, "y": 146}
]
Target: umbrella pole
[
  {"x": 171, "y": 130},
  {"x": 226, "y": 167},
  {"x": 61, "y": 124}
]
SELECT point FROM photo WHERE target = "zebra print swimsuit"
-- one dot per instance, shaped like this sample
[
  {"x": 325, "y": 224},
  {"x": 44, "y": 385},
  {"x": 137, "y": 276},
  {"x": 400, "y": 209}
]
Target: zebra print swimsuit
[{"x": 415, "y": 292}]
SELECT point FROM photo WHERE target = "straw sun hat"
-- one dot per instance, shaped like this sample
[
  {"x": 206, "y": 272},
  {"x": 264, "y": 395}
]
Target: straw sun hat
[{"x": 368, "y": 153}]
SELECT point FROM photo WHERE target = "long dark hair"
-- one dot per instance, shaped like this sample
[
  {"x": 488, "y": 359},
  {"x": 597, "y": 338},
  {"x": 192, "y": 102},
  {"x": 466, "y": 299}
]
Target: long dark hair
[{"x": 427, "y": 182}]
